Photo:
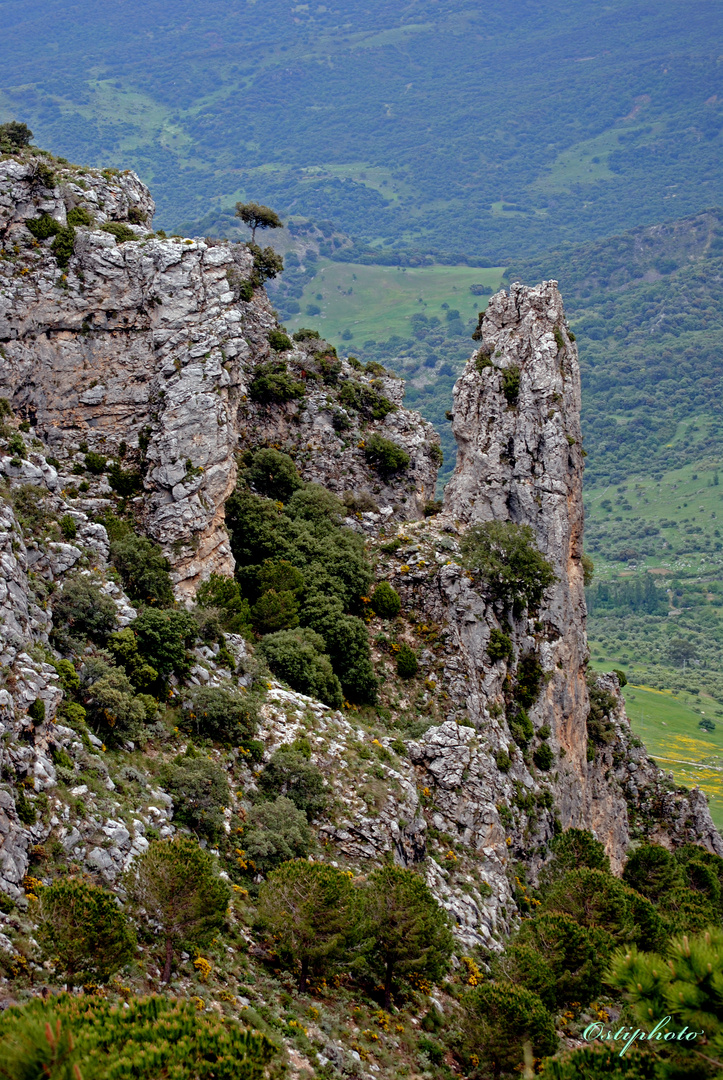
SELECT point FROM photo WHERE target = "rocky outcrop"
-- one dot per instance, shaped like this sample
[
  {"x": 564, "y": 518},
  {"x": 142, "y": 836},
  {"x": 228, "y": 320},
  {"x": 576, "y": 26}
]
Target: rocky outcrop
[{"x": 141, "y": 348}]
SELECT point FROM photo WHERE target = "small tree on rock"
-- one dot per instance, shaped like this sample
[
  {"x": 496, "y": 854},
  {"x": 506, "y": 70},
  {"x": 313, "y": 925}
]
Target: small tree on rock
[
  {"x": 257, "y": 216},
  {"x": 175, "y": 887}
]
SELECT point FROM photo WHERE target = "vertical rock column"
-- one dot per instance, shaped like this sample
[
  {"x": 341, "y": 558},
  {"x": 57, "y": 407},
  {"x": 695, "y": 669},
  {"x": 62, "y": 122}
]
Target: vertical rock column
[{"x": 517, "y": 425}]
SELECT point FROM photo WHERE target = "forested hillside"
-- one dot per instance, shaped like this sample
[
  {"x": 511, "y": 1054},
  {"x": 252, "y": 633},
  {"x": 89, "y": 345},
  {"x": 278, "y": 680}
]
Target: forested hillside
[{"x": 438, "y": 125}]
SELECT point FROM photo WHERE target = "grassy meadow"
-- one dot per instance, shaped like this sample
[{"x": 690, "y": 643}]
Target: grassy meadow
[{"x": 376, "y": 302}]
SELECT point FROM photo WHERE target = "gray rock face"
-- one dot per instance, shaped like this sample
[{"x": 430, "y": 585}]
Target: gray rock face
[{"x": 146, "y": 343}]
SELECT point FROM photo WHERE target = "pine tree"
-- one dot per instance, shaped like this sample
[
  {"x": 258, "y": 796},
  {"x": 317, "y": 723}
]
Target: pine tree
[
  {"x": 406, "y": 931},
  {"x": 84, "y": 930},
  {"x": 175, "y": 886},
  {"x": 310, "y": 909},
  {"x": 257, "y": 216}
]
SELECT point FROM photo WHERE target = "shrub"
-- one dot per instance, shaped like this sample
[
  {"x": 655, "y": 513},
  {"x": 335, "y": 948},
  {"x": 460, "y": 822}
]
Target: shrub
[
  {"x": 299, "y": 658},
  {"x": 82, "y": 609},
  {"x": 36, "y": 711},
  {"x": 507, "y": 559},
  {"x": 543, "y": 757},
  {"x": 43, "y": 227},
  {"x": 174, "y": 887},
  {"x": 385, "y": 601},
  {"x": 143, "y": 568},
  {"x": 83, "y": 930},
  {"x": 385, "y": 456},
  {"x": 272, "y": 383},
  {"x": 69, "y": 1037},
  {"x": 275, "y": 611},
  {"x": 309, "y": 909},
  {"x": 594, "y": 899},
  {"x": 653, "y": 871},
  {"x": 224, "y": 594},
  {"x": 224, "y": 715},
  {"x": 95, "y": 463},
  {"x": 511, "y": 384},
  {"x": 407, "y": 663},
  {"x": 123, "y": 647},
  {"x": 110, "y": 701},
  {"x": 63, "y": 245},
  {"x": 500, "y": 646},
  {"x": 600, "y": 726},
  {"x": 200, "y": 791},
  {"x": 347, "y": 643},
  {"x": 78, "y": 215},
  {"x": 365, "y": 400},
  {"x": 521, "y": 728},
  {"x": 290, "y": 773},
  {"x": 274, "y": 474},
  {"x": 504, "y": 761},
  {"x": 434, "y": 507},
  {"x": 68, "y": 527},
  {"x": 279, "y": 341},
  {"x": 436, "y": 454},
  {"x": 558, "y": 959},
  {"x": 315, "y": 504},
  {"x": 126, "y": 482},
  {"x": 276, "y": 832},
  {"x": 15, "y": 134},
  {"x": 529, "y": 679},
  {"x": 303, "y": 334},
  {"x": 120, "y": 231},
  {"x": 267, "y": 264}
]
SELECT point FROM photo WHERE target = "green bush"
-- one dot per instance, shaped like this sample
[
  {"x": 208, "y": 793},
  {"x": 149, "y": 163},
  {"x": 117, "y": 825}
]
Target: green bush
[
  {"x": 303, "y": 334},
  {"x": 110, "y": 701},
  {"x": 511, "y": 384},
  {"x": 365, "y": 400},
  {"x": 199, "y": 789},
  {"x": 543, "y": 758},
  {"x": 385, "y": 601},
  {"x": 120, "y": 231},
  {"x": 95, "y": 463},
  {"x": 147, "y": 1038},
  {"x": 163, "y": 637},
  {"x": 528, "y": 681},
  {"x": 521, "y": 727},
  {"x": 15, "y": 135},
  {"x": 126, "y": 482},
  {"x": 316, "y": 505},
  {"x": 504, "y": 761},
  {"x": 274, "y": 611},
  {"x": 82, "y": 610},
  {"x": 436, "y": 454},
  {"x": 653, "y": 871},
  {"x": 572, "y": 849},
  {"x": 68, "y": 527},
  {"x": 78, "y": 215},
  {"x": 500, "y": 646},
  {"x": 43, "y": 227},
  {"x": 279, "y": 341},
  {"x": 25, "y": 809},
  {"x": 221, "y": 714},
  {"x": 507, "y": 559},
  {"x": 272, "y": 384},
  {"x": 63, "y": 245},
  {"x": 299, "y": 658},
  {"x": 82, "y": 929},
  {"x": 276, "y": 832},
  {"x": 407, "y": 663},
  {"x": 600, "y": 726},
  {"x": 224, "y": 594},
  {"x": 267, "y": 264},
  {"x": 123, "y": 647},
  {"x": 347, "y": 643},
  {"x": 273, "y": 474},
  {"x": 385, "y": 456},
  {"x": 290, "y": 773},
  {"x": 556, "y": 958},
  {"x": 36, "y": 711},
  {"x": 143, "y": 568}
]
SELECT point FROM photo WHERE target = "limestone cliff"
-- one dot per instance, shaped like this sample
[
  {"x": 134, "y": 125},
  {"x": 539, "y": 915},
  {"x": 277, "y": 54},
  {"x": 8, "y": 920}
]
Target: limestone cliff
[{"x": 142, "y": 349}]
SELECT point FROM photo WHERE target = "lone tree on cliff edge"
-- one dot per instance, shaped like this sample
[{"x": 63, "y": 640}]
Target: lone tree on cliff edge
[{"x": 257, "y": 216}]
